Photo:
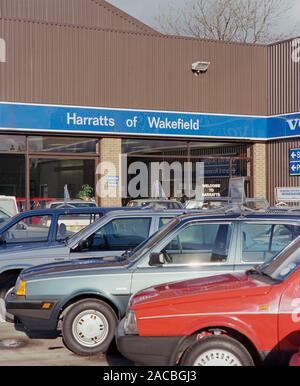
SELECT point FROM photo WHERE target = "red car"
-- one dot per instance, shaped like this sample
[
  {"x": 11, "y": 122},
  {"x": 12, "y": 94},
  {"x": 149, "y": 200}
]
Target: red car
[{"x": 241, "y": 319}]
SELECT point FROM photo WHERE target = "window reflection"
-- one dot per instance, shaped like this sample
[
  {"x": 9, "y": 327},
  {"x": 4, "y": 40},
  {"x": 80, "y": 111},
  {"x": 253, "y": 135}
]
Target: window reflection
[
  {"x": 12, "y": 143},
  {"x": 62, "y": 145}
]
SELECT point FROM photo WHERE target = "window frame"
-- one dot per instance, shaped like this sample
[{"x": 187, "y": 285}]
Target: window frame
[
  {"x": 23, "y": 219},
  {"x": 273, "y": 222},
  {"x": 144, "y": 262}
]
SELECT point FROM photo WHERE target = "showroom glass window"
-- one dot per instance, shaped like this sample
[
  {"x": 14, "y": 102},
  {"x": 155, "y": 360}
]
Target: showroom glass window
[
  {"x": 221, "y": 162},
  {"x": 35, "y": 169}
]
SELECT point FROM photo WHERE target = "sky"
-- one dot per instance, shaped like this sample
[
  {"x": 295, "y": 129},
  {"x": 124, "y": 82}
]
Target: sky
[{"x": 148, "y": 10}]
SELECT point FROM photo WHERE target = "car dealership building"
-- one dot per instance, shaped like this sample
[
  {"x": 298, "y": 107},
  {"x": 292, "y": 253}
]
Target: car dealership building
[{"x": 82, "y": 82}]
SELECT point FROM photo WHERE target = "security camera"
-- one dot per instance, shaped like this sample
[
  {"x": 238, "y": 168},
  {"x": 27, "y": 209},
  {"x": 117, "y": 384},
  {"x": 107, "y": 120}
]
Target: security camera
[{"x": 200, "y": 67}]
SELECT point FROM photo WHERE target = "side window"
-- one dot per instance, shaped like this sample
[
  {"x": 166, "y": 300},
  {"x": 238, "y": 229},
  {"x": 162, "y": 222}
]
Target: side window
[
  {"x": 119, "y": 234},
  {"x": 164, "y": 221},
  {"x": 283, "y": 235},
  {"x": 262, "y": 241},
  {"x": 30, "y": 229},
  {"x": 200, "y": 244},
  {"x": 72, "y": 223}
]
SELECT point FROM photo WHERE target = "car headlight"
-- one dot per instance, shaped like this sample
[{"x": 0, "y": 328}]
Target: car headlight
[
  {"x": 21, "y": 288},
  {"x": 130, "y": 325}
]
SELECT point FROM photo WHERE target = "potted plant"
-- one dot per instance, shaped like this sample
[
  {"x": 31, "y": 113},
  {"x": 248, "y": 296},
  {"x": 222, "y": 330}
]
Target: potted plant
[{"x": 85, "y": 193}]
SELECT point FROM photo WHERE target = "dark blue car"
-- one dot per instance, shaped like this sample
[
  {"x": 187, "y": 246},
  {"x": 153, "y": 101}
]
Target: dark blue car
[{"x": 46, "y": 226}]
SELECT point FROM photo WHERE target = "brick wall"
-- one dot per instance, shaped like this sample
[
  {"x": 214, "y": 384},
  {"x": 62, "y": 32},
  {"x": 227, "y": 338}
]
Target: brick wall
[
  {"x": 259, "y": 170},
  {"x": 110, "y": 149}
]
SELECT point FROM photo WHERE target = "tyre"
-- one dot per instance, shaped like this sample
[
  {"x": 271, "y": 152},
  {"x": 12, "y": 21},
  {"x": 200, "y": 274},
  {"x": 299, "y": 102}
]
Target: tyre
[
  {"x": 217, "y": 351},
  {"x": 89, "y": 327},
  {"x": 6, "y": 286}
]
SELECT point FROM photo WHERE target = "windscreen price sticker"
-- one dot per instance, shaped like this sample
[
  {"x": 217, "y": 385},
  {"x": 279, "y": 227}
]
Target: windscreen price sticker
[{"x": 142, "y": 376}]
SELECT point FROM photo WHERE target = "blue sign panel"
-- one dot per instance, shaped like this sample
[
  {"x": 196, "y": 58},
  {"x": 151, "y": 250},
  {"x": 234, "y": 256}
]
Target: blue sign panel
[
  {"x": 294, "y": 155},
  {"x": 284, "y": 126},
  {"x": 295, "y": 162},
  {"x": 295, "y": 168},
  {"x": 52, "y": 118}
]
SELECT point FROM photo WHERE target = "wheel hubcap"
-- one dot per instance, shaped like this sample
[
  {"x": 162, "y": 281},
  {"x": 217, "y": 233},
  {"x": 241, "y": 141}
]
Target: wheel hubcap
[
  {"x": 90, "y": 328},
  {"x": 217, "y": 358}
]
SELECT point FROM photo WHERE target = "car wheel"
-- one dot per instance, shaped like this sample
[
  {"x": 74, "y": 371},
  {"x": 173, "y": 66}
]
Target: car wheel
[
  {"x": 88, "y": 327},
  {"x": 5, "y": 289},
  {"x": 217, "y": 351}
]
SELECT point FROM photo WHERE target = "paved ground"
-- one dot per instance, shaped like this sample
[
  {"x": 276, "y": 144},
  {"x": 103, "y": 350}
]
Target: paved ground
[{"x": 17, "y": 349}]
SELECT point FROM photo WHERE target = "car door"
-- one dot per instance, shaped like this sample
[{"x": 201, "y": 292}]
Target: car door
[
  {"x": 197, "y": 249},
  {"x": 115, "y": 237},
  {"x": 260, "y": 241}
]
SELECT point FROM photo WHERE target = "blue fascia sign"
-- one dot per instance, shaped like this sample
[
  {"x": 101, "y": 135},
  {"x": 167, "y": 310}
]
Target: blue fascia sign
[{"x": 84, "y": 120}]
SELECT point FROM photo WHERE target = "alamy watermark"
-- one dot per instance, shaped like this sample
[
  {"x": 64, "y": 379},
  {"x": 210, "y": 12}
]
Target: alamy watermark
[
  {"x": 151, "y": 179},
  {"x": 2, "y": 51},
  {"x": 2, "y": 311},
  {"x": 296, "y": 50}
]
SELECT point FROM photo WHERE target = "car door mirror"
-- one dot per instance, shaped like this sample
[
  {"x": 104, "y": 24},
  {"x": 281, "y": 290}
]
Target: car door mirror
[{"x": 156, "y": 259}]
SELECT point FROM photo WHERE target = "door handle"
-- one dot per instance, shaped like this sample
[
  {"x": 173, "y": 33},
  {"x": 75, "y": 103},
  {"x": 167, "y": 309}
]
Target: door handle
[{"x": 59, "y": 259}]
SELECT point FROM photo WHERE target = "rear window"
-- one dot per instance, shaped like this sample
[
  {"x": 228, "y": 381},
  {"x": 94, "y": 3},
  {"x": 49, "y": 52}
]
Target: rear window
[{"x": 261, "y": 242}]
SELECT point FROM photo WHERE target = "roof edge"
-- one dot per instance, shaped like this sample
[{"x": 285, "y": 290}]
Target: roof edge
[
  {"x": 117, "y": 11},
  {"x": 144, "y": 33},
  {"x": 283, "y": 41}
]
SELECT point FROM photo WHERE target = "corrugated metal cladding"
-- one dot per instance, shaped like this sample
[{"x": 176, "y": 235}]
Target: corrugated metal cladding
[
  {"x": 93, "y": 13},
  {"x": 284, "y": 97},
  {"x": 85, "y": 66},
  {"x": 278, "y": 166},
  {"x": 283, "y": 79}
]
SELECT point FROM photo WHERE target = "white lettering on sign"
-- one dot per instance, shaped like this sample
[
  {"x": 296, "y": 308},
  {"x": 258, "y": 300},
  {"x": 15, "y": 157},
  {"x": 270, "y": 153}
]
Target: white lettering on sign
[
  {"x": 296, "y": 51},
  {"x": 179, "y": 124},
  {"x": 74, "y": 119},
  {"x": 295, "y": 155},
  {"x": 293, "y": 123},
  {"x": 2, "y": 51}
]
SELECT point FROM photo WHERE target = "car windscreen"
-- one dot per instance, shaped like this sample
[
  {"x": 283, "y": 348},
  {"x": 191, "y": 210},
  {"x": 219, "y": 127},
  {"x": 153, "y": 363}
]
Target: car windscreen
[
  {"x": 145, "y": 246},
  {"x": 285, "y": 263},
  {"x": 79, "y": 235}
]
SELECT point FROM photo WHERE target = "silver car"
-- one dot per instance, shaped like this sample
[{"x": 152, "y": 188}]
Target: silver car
[{"x": 115, "y": 233}]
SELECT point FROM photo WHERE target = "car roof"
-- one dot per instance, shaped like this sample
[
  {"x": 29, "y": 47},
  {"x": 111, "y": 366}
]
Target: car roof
[
  {"x": 41, "y": 212},
  {"x": 231, "y": 214},
  {"x": 70, "y": 202},
  {"x": 146, "y": 211},
  {"x": 64, "y": 211},
  {"x": 154, "y": 200}
]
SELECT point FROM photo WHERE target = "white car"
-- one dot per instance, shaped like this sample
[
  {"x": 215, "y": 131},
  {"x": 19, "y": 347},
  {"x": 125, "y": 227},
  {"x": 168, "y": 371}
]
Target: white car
[{"x": 9, "y": 205}]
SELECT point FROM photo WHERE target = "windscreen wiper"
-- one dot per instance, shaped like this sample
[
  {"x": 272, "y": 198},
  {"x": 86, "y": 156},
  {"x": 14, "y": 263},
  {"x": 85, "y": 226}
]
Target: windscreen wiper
[{"x": 259, "y": 272}]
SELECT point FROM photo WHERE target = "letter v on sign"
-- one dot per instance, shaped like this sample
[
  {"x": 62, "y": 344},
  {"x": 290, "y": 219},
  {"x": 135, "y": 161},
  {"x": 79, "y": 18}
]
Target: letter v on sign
[{"x": 293, "y": 123}]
